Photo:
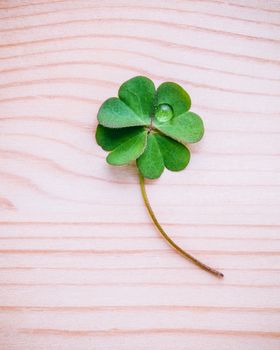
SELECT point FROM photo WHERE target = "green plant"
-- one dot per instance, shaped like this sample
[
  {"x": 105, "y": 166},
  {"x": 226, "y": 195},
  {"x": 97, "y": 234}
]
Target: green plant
[{"x": 150, "y": 126}]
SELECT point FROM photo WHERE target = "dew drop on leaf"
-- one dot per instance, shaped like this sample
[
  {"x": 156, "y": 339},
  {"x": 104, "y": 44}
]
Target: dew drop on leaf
[{"x": 164, "y": 113}]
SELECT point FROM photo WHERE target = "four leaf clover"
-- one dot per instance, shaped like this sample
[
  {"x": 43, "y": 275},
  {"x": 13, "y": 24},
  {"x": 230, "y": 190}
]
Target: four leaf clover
[
  {"x": 152, "y": 127},
  {"x": 149, "y": 125}
]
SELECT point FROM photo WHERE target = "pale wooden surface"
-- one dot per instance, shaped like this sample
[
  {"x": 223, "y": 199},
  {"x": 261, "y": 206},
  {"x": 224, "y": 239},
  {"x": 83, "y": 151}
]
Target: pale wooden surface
[{"x": 81, "y": 265}]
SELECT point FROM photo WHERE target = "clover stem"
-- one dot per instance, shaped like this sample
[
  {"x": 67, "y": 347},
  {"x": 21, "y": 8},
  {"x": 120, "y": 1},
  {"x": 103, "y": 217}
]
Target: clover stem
[{"x": 168, "y": 239}]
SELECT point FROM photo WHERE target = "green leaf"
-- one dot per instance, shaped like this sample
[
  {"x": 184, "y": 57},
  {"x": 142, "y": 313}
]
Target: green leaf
[
  {"x": 139, "y": 93},
  {"x": 175, "y": 96},
  {"x": 124, "y": 122},
  {"x": 114, "y": 113},
  {"x": 176, "y": 156},
  {"x": 150, "y": 163},
  {"x": 109, "y": 138},
  {"x": 187, "y": 127},
  {"x": 129, "y": 150}
]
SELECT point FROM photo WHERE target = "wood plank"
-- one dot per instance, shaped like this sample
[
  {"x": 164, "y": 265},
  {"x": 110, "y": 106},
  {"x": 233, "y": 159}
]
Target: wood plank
[{"x": 81, "y": 265}]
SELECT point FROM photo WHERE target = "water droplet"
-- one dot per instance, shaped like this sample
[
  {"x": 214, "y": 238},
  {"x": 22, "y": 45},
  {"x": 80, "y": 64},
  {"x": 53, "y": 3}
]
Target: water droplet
[{"x": 164, "y": 113}]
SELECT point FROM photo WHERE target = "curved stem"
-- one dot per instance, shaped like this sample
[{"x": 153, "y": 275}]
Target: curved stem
[{"x": 168, "y": 239}]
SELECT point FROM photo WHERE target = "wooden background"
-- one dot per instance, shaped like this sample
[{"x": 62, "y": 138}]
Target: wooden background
[{"x": 81, "y": 265}]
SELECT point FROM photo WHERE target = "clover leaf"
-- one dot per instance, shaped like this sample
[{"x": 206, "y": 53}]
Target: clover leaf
[
  {"x": 162, "y": 151},
  {"x": 132, "y": 108},
  {"x": 148, "y": 125},
  {"x": 126, "y": 144},
  {"x": 152, "y": 127}
]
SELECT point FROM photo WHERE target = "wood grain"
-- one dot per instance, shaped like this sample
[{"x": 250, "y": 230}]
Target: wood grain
[{"x": 81, "y": 266}]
